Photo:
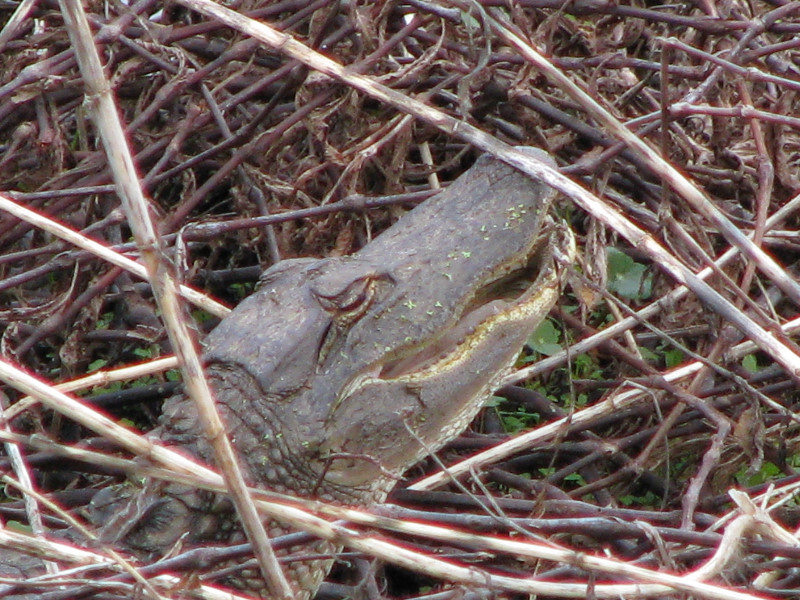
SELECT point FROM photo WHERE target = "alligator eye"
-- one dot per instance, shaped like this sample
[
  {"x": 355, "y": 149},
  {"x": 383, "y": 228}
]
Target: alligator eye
[
  {"x": 351, "y": 302},
  {"x": 346, "y": 307}
]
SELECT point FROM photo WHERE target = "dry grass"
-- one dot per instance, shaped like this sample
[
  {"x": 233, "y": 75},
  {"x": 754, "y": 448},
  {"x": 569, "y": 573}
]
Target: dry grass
[{"x": 677, "y": 131}]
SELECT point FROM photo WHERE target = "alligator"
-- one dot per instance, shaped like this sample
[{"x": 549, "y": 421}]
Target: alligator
[{"x": 338, "y": 374}]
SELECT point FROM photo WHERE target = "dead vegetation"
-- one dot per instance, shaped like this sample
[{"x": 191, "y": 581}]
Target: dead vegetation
[{"x": 653, "y": 403}]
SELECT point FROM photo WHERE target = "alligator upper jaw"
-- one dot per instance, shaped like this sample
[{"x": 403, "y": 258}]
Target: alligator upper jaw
[{"x": 512, "y": 286}]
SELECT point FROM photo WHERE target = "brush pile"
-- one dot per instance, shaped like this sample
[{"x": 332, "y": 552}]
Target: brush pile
[{"x": 662, "y": 444}]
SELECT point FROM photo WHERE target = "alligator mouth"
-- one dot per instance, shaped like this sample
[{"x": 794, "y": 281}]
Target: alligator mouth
[{"x": 515, "y": 284}]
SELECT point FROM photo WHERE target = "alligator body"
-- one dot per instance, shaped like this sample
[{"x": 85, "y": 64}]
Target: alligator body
[{"x": 339, "y": 374}]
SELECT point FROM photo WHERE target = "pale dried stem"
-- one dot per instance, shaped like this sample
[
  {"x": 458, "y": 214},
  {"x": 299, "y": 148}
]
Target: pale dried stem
[
  {"x": 92, "y": 561},
  {"x": 165, "y": 289},
  {"x": 99, "y": 423},
  {"x": 652, "y": 582},
  {"x": 98, "y": 378},
  {"x": 15, "y": 22},
  {"x": 20, "y": 468},
  {"x": 684, "y": 109},
  {"x": 108, "y": 254},
  {"x": 745, "y": 73}
]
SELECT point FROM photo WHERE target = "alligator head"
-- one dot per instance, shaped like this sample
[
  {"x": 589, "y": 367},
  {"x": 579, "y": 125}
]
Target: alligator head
[{"x": 362, "y": 365}]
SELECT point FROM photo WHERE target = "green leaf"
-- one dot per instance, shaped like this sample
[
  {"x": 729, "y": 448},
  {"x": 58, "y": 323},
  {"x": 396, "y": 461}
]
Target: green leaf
[
  {"x": 114, "y": 386},
  {"x": 673, "y": 358},
  {"x": 750, "y": 363},
  {"x": 545, "y": 340},
  {"x": 512, "y": 424},
  {"x": 19, "y": 527},
  {"x": 98, "y": 364},
  {"x": 767, "y": 472},
  {"x": 471, "y": 23},
  {"x": 648, "y": 354},
  {"x": 201, "y": 316},
  {"x": 627, "y": 277},
  {"x": 104, "y": 321},
  {"x": 575, "y": 478},
  {"x": 585, "y": 367}
]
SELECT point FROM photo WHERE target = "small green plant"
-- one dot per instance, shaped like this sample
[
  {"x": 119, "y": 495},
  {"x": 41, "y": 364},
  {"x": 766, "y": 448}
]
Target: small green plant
[
  {"x": 104, "y": 321},
  {"x": 146, "y": 353},
  {"x": 648, "y": 499},
  {"x": 584, "y": 366},
  {"x": 513, "y": 420},
  {"x": 97, "y": 364},
  {"x": 665, "y": 353},
  {"x": 750, "y": 363},
  {"x": 575, "y": 479},
  {"x": 114, "y": 386},
  {"x": 673, "y": 357},
  {"x": 546, "y": 339},
  {"x": 768, "y": 472},
  {"x": 201, "y": 316},
  {"x": 627, "y": 278},
  {"x": 242, "y": 290}
]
